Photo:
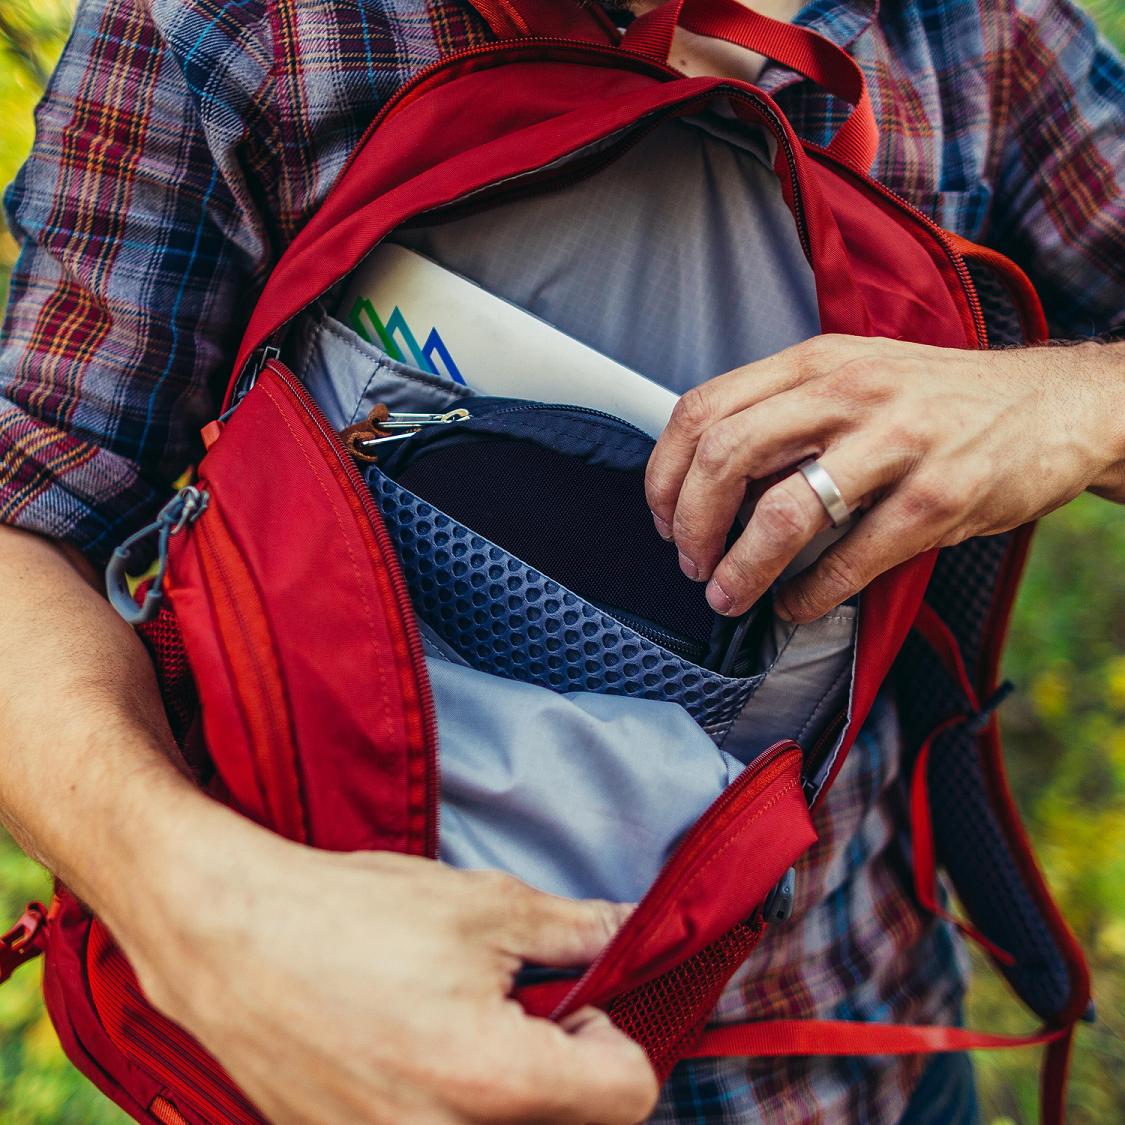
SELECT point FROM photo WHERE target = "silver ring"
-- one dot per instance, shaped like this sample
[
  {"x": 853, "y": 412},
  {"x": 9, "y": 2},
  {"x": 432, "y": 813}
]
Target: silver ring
[{"x": 826, "y": 492}]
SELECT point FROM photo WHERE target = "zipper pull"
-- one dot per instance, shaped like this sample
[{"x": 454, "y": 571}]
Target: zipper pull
[
  {"x": 381, "y": 426},
  {"x": 255, "y": 365},
  {"x": 184, "y": 508}
]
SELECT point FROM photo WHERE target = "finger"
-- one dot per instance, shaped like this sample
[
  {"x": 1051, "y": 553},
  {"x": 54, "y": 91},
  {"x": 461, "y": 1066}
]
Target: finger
[
  {"x": 589, "y": 1072},
  {"x": 747, "y": 446},
  {"x": 550, "y": 930},
  {"x": 786, "y": 519},
  {"x": 889, "y": 534},
  {"x": 737, "y": 390}
]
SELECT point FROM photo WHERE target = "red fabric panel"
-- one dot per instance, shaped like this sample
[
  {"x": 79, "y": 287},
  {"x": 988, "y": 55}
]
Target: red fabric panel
[
  {"x": 155, "y": 1043},
  {"x": 719, "y": 875},
  {"x": 337, "y": 699},
  {"x": 886, "y": 611},
  {"x": 83, "y": 1038}
]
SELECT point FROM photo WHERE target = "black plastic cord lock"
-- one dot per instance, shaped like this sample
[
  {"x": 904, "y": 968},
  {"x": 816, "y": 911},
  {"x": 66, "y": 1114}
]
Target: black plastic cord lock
[{"x": 976, "y": 723}]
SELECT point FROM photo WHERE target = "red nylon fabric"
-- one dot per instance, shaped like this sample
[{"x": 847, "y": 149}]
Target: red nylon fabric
[
  {"x": 721, "y": 872},
  {"x": 799, "y": 48},
  {"x": 315, "y": 715},
  {"x": 158, "y": 1045},
  {"x": 775, "y": 1038}
]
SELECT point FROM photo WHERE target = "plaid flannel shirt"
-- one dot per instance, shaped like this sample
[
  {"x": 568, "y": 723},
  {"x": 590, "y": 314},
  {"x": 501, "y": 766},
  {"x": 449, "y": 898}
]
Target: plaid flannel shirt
[{"x": 182, "y": 143}]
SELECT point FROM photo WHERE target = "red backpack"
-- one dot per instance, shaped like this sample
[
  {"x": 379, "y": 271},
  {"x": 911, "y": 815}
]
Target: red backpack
[{"x": 274, "y": 689}]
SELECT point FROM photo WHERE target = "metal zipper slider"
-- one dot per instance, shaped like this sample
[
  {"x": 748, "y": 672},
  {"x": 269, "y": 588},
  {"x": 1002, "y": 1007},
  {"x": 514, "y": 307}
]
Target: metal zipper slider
[
  {"x": 184, "y": 508},
  {"x": 255, "y": 365}
]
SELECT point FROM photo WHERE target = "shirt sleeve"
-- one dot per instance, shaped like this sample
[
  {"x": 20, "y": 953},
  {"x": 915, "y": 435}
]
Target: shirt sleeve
[
  {"x": 1060, "y": 194},
  {"x": 141, "y": 253}
]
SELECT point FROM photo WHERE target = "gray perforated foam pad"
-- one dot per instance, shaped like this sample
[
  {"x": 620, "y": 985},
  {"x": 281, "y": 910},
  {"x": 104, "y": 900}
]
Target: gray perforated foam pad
[
  {"x": 970, "y": 842},
  {"x": 504, "y": 617}
]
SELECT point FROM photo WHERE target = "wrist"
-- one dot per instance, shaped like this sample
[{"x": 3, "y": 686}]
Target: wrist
[
  {"x": 173, "y": 883},
  {"x": 1105, "y": 364}
]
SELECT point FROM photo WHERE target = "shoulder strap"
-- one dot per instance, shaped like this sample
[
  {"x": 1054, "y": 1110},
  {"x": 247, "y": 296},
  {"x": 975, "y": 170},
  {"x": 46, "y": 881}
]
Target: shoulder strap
[
  {"x": 799, "y": 48},
  {"x": 554, "y": 19}
]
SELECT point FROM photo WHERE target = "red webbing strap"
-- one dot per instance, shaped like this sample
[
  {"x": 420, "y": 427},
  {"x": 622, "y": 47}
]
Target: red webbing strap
[
  {"x": 503, "y": 18},
  {"x": 782, "y": 1038},
  {"x": 1053, "y": 1078},
  {"x": 799, "y": 48}
]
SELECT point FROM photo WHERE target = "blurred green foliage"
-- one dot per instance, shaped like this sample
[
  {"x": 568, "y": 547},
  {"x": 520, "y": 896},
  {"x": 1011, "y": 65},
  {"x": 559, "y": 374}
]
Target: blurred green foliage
[{"x": 1066, "y": 738}]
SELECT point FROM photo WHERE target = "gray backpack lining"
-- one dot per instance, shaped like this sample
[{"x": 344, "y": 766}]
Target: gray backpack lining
[{"x": 586, "y": 794}]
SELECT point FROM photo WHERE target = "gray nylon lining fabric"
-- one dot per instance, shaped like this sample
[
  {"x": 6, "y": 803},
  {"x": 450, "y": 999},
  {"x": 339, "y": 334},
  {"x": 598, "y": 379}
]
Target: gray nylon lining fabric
[
  {"x": 585, "y": 793},
  {"x": 680, "y": 261}
]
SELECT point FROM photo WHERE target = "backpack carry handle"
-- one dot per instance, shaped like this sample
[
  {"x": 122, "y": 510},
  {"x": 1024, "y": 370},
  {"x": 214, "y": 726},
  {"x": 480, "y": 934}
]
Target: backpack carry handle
[{"x": 805, "y": 51}]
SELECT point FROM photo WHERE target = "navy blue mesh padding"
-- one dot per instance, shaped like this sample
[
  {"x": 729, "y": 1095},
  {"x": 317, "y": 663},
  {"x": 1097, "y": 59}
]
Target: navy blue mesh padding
[
  {"x": 586, "y": 525},
  {"x": 969, "y": 841},
  {"x": 504, "y": 617}
]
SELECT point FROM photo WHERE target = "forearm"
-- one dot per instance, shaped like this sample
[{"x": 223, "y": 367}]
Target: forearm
[
  {"x": 223, "y": 920},
  {"x": 90, "y": 780}
]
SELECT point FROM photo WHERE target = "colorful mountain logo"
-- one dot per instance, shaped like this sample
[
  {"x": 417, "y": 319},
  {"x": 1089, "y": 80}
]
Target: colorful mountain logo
[{"x": 399, "y": 342}]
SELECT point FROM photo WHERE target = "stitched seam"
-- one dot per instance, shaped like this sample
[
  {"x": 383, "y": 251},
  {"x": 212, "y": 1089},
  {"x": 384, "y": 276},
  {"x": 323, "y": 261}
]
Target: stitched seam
[
  {"x": 340, "y": 332},
  {"x": 781, "y": 793},
  {"x": 300, "y": 440}
]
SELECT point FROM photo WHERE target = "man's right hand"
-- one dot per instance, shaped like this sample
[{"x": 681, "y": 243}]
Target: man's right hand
[
  {"x": 335, "y": 988},
  {"x": 373, "y": 987}
]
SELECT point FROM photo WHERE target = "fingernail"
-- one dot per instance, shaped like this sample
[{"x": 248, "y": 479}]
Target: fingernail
[
  {"x": 663, "y": 527},
  {"x": 717, "y": 598},
  {"x": 688, "y": 567}
]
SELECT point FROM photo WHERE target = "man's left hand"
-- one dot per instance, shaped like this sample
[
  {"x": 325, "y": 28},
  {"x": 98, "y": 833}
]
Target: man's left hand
[{"x": 929, "y": 446}]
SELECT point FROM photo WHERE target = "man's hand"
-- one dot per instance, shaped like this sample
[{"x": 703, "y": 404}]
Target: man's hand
[
  {"x": 933, "y": 445},
  {"x": 337, "y": 988},
  {"x": 374, "y": 988}
]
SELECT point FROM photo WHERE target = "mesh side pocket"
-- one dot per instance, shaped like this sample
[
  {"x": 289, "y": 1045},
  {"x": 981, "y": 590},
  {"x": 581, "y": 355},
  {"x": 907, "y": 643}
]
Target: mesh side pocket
[
  {"x": 162, "y": 638},
  {"x": 667, "y": 1014}
]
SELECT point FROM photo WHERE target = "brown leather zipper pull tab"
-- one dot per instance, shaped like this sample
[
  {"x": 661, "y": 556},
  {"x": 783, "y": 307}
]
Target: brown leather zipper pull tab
[
  {"x": 363, "y": 438},
  {"x": 366, "y": 433}
]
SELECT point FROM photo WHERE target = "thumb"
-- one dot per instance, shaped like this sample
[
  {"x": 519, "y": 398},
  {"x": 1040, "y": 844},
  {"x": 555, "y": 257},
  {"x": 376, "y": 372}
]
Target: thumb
[{"x": 557, "y": 931}]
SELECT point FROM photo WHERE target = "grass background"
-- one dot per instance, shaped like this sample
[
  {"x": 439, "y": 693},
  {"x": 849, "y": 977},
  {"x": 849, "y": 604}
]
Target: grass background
[{"x": 1066, "y": 738}]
